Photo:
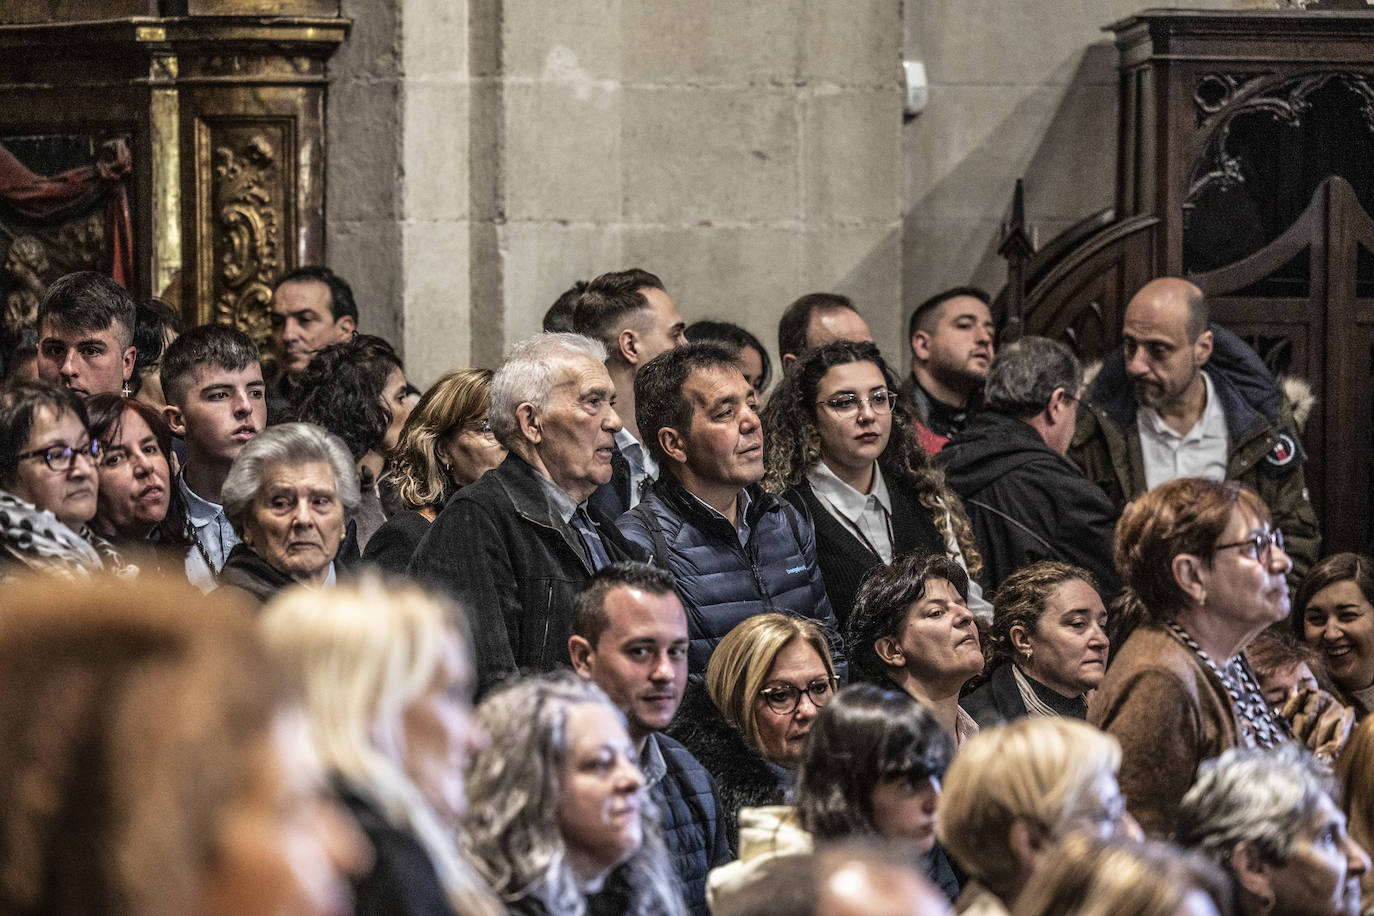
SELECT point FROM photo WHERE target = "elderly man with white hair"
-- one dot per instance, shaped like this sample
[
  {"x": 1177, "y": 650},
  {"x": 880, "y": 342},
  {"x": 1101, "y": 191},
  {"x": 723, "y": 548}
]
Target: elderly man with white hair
[{"x": 515, "y": 547}]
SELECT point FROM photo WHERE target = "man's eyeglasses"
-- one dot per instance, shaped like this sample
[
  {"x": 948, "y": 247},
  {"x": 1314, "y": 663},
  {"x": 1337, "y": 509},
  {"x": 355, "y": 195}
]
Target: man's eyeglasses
[
  {"x": 59, "y": 458},
  {"x": 1258, "y": 544},
  {"x": 847, "y": 405},
  {"x": 783, "y": 699}
]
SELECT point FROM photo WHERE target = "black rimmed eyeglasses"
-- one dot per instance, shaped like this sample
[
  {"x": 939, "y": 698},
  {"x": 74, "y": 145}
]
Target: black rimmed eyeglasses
[
  {"x": 784, "y": 699},
  {"x": 59, "y": 458},
  {"x": 1257, "y": 544}
]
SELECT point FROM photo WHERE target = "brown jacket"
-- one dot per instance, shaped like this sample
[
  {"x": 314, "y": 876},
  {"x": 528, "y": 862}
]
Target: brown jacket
[{"x": 1170, "y": 713}]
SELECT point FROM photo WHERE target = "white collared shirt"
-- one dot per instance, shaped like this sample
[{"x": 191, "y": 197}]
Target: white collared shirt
[
  {"x": 642, "y": 465},
  {"x": 213, "y": 533},
  {"x": 864, "y": 515},
  {"x": 1200, "y": 452}
]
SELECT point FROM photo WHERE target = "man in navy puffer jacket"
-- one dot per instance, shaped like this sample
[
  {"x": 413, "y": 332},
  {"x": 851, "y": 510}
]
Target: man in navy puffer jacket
[{"x": 735, "y": 550}]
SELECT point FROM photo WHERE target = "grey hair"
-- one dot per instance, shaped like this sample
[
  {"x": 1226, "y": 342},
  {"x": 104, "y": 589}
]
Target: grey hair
[
  {"x": 532, "y": 369},
  {"x": 286, "y": 443},
  {"x": 1259, "y": 797},
  {"x": 1025, "y": 374},
  {"x": 512, "y": 834}
]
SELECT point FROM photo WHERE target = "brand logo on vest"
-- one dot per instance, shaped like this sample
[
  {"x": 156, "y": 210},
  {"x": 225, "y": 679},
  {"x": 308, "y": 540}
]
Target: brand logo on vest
[{"x": 796, "y": 569}]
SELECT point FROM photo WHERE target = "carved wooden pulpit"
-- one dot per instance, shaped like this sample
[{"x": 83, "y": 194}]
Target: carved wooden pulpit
[
  {"x": 1246, "y": 162},
  {"x": 217, "y": 110}
]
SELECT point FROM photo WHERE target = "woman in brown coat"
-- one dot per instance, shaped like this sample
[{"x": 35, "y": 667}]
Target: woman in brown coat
[{"x": 1204, "y": 572}]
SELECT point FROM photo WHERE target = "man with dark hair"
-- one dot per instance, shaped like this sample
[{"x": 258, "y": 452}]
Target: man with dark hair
[
  {"x": 630, "y": 313},
  {"x": 1026, "y": 500},
  {"x": 1184, "y": 398},
  {"x": 312, "y": 307},
  {"x": 559, "y": 317},
  {"x": 815, "y": 320},
  {"x": 630, "y": 638},
  {"x": 951, "y": 349},
  {"x": 86, "y": 334},
  {"x": 216, "y": 401},
  {"x": 735, "y": 549}
]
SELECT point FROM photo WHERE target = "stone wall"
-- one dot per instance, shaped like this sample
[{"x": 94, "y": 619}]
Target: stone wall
[{"x": 484, "y": 154}]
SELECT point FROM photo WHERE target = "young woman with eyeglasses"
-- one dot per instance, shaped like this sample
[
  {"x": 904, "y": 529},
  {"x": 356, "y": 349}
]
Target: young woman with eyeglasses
[
  {"x": 48, "y": 485},
  {"x": 836, "y": 446},
  {"x": 765, "y": 683}
]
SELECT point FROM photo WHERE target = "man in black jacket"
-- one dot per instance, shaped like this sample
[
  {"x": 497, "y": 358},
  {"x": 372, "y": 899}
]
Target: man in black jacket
[
  {"x": 630, "y": 638},
  {"x": 1026, "y": 500},
  {"x": 517, "y": 546}
]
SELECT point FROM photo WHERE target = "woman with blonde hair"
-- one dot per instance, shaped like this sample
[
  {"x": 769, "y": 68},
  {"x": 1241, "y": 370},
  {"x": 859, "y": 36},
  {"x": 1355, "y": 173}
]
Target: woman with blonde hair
[
  {"x": 446, "y": 444},
  {"x": 388, "y": 687},
  {"x": 1013, "y": 791},
  {"x": 1090, "y": 876},
  {"x": 766, "y": 682},
  {"x": 560, "y": 823}
]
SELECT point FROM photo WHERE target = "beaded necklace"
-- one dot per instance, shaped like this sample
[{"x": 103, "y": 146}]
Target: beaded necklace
[{"x": 1258, "y": 726}]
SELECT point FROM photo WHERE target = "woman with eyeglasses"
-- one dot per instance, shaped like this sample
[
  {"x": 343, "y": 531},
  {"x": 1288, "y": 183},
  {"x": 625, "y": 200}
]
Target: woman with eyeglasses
[
  {"x": 871, "y": 770},
  {"x": 765, "y": 683},
  {"x": 1205, "y": 572},
  {"x": 834, "y": 447},
  {"x": 1015, "y": 790},
  {"x": 445, "y": 445},
  {"x": 48, "y": 485}
]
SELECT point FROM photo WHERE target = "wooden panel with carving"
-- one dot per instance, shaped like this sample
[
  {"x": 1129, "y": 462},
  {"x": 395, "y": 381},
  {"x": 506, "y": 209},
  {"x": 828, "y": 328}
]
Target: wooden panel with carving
[{"x": 245, "y": 207}]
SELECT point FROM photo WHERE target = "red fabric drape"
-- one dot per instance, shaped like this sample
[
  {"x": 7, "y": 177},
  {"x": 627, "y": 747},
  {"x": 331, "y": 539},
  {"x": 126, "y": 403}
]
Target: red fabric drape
[{"x": 40, "y": 197}]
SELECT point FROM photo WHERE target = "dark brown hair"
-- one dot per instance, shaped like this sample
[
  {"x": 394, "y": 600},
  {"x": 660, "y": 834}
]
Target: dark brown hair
[{"x": 127, "y": 724}]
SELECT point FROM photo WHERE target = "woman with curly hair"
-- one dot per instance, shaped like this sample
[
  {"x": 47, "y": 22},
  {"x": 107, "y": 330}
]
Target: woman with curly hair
[
  {"x": 358, "y": 391},
  {"x": 1049, "y": 646},
  {"x": 836, "y": 449},
  {"x": 559, "y": 822},
  {"x": 446, "y": 444}
]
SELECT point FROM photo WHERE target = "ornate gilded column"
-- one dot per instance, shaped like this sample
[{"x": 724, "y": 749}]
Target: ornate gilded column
[{"x": 224, "y": 115}]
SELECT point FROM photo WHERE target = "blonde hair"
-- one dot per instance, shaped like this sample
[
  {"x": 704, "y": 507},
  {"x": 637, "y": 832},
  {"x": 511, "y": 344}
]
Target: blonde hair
[
  {"x": 365, "y": 652},
  {"x": 1034, "y": 769},
  {"x": 457, "y": 399},
  {"x": 1088, "y": 876},
  {"x": 740, "y": 664}
]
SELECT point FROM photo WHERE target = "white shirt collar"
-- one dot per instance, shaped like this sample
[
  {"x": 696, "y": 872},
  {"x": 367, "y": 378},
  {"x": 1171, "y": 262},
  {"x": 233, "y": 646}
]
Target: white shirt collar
[
  {"x": 849, "y": 501},
  {"x": 1211, "y": 425}
]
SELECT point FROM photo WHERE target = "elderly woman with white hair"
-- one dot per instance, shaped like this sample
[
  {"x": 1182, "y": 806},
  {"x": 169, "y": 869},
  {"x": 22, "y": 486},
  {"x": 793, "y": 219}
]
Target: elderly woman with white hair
[
  {"x": 560, "y": 823},
  {"x": 387, "y": 680},
  {"x": 1270, "y": 819},
  {"x": 516, "y": 547},
  {"x": 287, "y": 496}
]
